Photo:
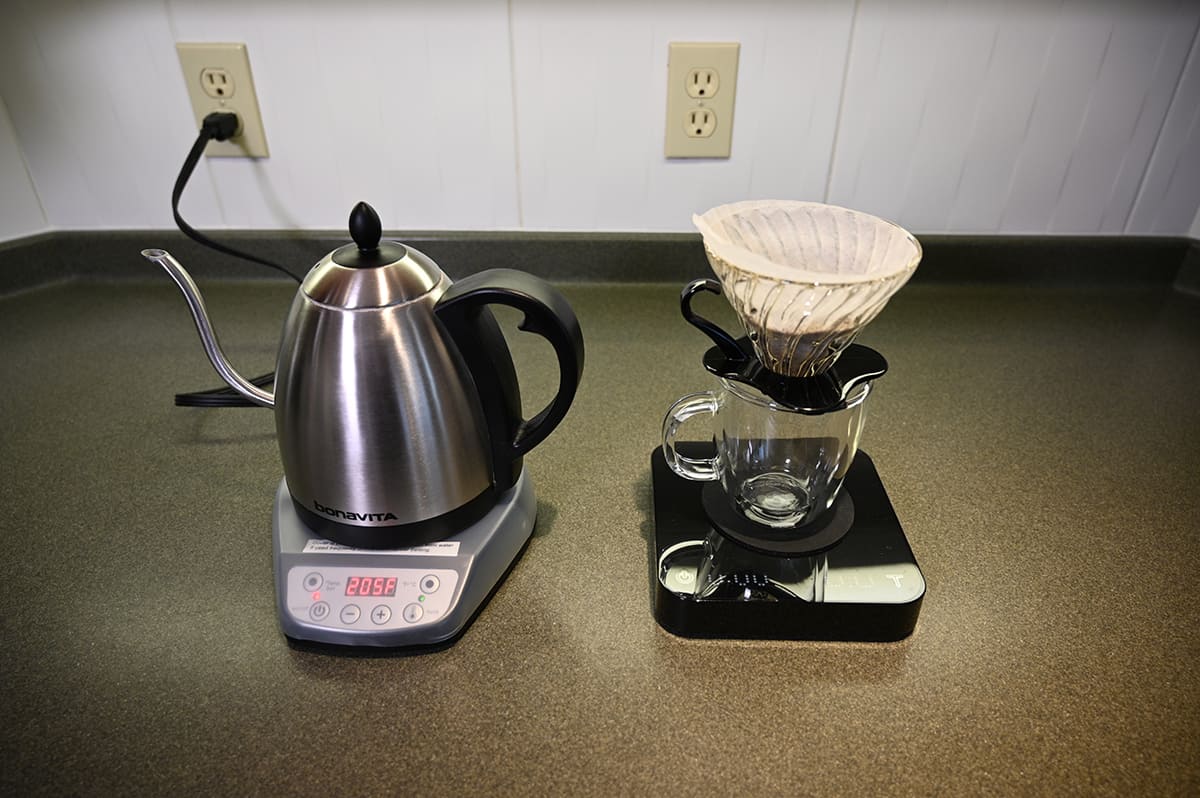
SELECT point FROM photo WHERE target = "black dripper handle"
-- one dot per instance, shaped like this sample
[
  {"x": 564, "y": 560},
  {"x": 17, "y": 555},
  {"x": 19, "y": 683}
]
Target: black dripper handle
[{"x": 724, "y": 341}]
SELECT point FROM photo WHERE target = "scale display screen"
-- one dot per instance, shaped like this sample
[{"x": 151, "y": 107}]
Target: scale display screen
[{"x": 371, "y": 586}]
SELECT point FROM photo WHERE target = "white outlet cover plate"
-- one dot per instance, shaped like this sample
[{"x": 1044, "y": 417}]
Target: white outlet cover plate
[
  {"x": 683, "y": 59},
  {"x": 251, "y": 140}
]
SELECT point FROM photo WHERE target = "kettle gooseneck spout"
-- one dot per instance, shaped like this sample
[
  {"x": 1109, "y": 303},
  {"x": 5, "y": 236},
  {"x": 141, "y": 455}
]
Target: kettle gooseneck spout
[{"x": 209, "y": 338}]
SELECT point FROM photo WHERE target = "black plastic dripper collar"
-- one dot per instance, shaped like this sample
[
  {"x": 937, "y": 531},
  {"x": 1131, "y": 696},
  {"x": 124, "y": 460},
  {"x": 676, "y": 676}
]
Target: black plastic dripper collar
[
  {"x": 367, "y": 251},
  {"x": 821, "y": 393}
]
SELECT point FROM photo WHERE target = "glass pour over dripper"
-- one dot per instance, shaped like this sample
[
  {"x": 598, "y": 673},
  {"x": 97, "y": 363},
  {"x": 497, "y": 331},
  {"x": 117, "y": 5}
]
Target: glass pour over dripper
[{"x": 804, "y": 277}]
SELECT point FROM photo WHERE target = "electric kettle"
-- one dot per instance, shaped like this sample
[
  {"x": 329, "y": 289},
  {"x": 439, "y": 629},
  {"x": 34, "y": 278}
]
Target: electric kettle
[{"x": 397, "y": 406}]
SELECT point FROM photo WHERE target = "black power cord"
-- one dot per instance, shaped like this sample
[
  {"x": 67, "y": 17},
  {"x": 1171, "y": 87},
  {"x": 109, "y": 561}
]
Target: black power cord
[{"x": 217, "y": 126}]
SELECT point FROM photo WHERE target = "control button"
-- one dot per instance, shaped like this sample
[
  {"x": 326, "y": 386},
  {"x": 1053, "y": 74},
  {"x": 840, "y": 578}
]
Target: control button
[
  {"x": 381, "y": 614},
  {"x": 313, "y": 581},
  {"x": 318, "y": 611},
  {"x": 351, "y": 613},
  {"x": 413, "y": 612},
  {"x": 430, "y": 584}
]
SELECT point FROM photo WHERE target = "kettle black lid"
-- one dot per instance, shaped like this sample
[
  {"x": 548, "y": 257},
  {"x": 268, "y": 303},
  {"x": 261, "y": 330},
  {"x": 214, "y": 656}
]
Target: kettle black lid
[
  {"x": 371, "y": 273},
  {"x": 367, "y": 251}
]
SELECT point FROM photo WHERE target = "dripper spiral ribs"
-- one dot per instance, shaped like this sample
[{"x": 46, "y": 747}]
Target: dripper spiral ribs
[{"x": 804, "y": 277}]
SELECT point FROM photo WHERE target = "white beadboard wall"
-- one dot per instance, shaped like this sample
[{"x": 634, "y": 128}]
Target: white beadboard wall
[
  {"x": 20, "y": 210},
  {"x": 1026, "y": 116}
]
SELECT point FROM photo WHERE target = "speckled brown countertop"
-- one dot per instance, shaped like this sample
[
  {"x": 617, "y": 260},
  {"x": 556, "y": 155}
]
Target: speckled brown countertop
[{"x": 1040, "y": 445}]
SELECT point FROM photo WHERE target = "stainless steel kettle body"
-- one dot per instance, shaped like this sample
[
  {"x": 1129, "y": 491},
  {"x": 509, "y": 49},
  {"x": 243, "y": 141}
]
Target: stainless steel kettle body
[
  {"x": 397, "y": 407},
  {"x": 378, "y": 420}
]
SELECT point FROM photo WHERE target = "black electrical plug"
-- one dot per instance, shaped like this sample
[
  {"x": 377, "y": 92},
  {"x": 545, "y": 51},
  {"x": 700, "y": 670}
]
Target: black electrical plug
[
  {"x": 217, "y": 126},
  {"x": 220, "y": 125}
]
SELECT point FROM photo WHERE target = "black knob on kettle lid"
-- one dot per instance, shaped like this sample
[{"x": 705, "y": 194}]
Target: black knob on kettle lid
[
  {"x": 367, "y": 251},
  {"x": 365, "y": 227}
]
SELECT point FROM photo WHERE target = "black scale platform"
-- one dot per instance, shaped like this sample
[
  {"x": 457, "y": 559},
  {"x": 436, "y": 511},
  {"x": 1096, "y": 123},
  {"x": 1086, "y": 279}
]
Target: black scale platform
[{"x": 872, "y": 591}]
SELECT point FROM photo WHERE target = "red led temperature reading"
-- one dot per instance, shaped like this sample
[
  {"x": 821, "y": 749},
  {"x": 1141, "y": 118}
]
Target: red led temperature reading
[{"x": 371, "y": 586}]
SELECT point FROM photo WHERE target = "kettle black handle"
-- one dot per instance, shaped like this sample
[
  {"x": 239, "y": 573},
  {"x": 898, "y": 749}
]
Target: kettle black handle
[{"x": 462, "y": 310}]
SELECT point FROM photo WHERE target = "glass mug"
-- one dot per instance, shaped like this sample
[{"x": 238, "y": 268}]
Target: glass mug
[{"x": 778, "y": 466}]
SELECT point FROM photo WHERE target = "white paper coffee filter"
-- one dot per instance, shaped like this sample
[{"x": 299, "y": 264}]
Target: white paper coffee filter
[{"x": 805, "y": 277}]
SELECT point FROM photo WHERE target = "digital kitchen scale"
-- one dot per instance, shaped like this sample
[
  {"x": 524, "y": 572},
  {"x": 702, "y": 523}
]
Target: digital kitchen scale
[
  {"x": 867, "y": 586},
  {"x": 426, "y": 595}
]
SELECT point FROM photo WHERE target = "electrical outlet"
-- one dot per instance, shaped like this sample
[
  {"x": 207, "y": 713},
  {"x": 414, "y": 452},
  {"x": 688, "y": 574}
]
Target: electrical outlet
[
  {"x": 218, "y": 79},
  {"x": 700, "y": 123},
  {"x": 701, "y": 82},
  {"x": 217, "y": 83}
]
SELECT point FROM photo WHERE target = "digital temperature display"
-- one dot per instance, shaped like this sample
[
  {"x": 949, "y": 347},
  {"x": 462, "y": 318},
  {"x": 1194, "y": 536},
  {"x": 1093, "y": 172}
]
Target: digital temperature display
[{"x": 371, "y": 586}]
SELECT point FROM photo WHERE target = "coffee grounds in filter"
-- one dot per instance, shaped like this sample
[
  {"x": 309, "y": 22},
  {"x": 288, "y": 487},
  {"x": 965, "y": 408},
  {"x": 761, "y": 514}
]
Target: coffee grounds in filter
[{"x": 804, "y": 278}]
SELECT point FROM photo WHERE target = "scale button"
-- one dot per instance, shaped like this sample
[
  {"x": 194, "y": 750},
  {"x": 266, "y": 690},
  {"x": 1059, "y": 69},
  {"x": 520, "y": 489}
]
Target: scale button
[
  {"x": 381, "y": 614},
  {"x": 351, "y": 613},
  {"x": 413, "y": 612},
  {"x": 430, "y": 584},
  {"x": 313, "y": 581},
  {"x": 318, "y": 611}
]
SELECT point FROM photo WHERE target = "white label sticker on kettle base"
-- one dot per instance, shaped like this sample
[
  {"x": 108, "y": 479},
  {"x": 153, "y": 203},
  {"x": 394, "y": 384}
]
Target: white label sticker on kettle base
[{"x": 442, "y": 548}]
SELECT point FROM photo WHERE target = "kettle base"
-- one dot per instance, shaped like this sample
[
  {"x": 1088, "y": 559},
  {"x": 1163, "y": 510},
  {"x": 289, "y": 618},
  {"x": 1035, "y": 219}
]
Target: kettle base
[{"x": 417, "y": 597}]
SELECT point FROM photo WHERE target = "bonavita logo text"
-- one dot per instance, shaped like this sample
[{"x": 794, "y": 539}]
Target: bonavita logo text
[{"x": 335, "y": 513}]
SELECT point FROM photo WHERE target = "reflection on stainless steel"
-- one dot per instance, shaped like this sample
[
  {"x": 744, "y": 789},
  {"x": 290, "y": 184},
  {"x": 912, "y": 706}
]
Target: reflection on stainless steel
[
  {"x": 376, "y": 414},
  {"x": 411, "y": 277}
]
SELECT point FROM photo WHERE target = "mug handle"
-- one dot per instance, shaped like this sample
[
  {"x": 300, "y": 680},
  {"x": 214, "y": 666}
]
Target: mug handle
[{"x": 700, "y": 469}]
